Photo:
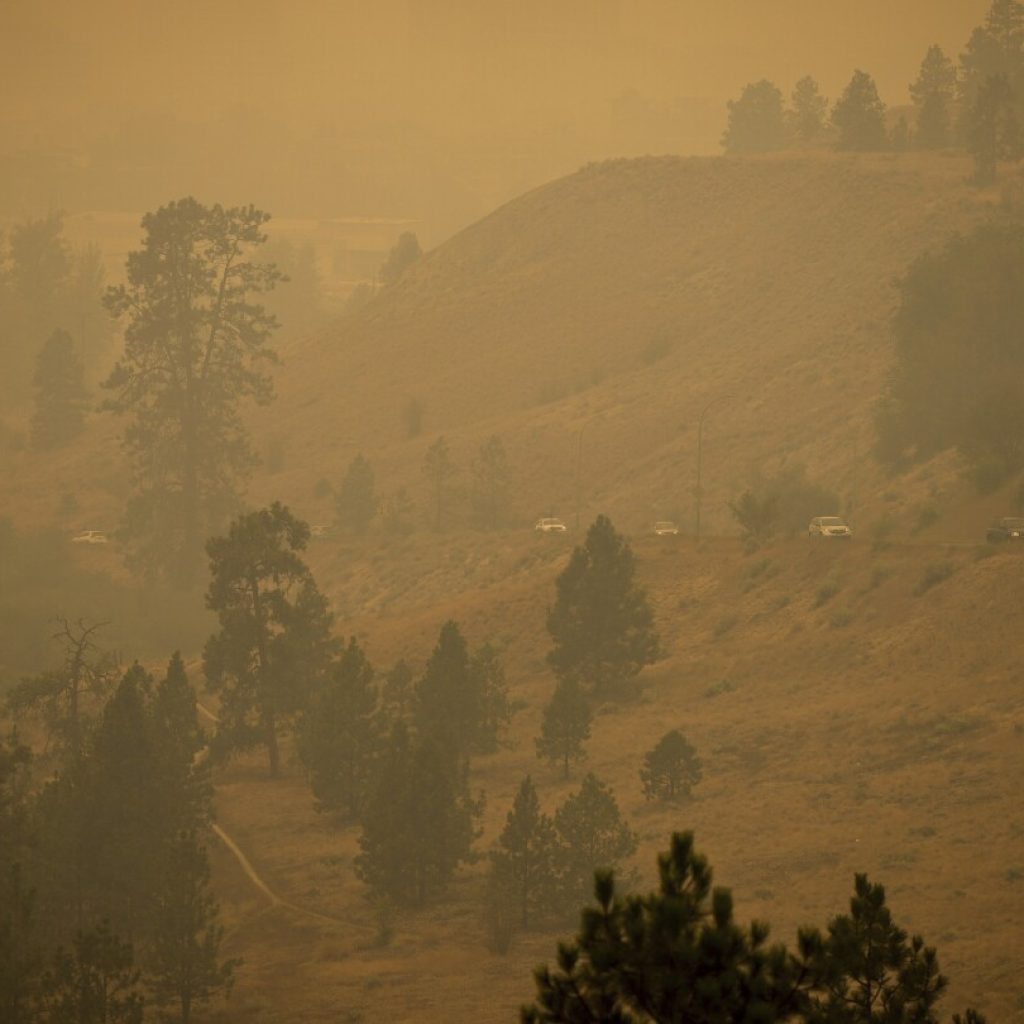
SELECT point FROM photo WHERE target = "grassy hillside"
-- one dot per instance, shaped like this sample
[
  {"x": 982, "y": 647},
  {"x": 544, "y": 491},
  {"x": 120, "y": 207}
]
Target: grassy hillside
[
  {"x": 851, "y": 717},
  {"x": 858, "y": 707},
  {"x": 620, "y": 301}
]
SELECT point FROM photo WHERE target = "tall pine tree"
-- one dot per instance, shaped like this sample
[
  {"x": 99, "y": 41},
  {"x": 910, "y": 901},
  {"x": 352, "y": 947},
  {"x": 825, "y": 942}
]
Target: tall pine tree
[
  {"x": 601, "y": 623},
  {"x": 274, "y": 642},
  {"x": 61, "y": 395}
]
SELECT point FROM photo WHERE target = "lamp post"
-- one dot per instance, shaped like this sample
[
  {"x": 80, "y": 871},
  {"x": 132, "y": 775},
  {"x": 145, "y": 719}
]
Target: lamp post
[{"x": 699, "y": 494}]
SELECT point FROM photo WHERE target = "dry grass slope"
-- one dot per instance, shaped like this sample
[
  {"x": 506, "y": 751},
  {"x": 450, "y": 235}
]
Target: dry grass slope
[{"x": 849, "y": 717}]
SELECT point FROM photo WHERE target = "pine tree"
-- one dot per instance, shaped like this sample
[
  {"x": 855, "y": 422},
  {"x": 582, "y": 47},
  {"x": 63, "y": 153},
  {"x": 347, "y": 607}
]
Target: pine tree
[
  {"x": 933, "y": 93},
  {"x": 448, "y": 704},
  {"x": 871, "y": 971},
  {"x": 487, "y": 675},
  {"x": 994, "y": 49},
  {"x": 404, "y": 253},
  {"x": 672, "y": 955},
  {"x": 185, "y": 966},
  {"x": 131, "y": 809},
  {"x": 356, "y": 502},
  {"x": 196, "y": 342},
  {"x": 809, "y": 109},
  {"x": 96, "y": 983},
  {"x": 174, "y": 711},
  {"x": 601, "y": 623},
  {"x": 274, "y": 642},
  {"x": 61, "y": 395},
  {"x": 20, "y": 952},
  {"x": 859, "y": 115},
  {"x": 756, "y": 122},
  {"x": 593, "y": 836},
  {"x": 439, "y": 471},
  {"x": 526, "y": 857},
  {"x": 490, "y": 484},
  {"x": 565, "y": 726},
  {"x": 68, "y": 698},
  {"x": 995, "y": 132},
  {"x": 417, "y": 827},
  {"x": 339, "y": 735},
  {"x": 398, "y": 693},
  {"x": 671, "y": 768}
]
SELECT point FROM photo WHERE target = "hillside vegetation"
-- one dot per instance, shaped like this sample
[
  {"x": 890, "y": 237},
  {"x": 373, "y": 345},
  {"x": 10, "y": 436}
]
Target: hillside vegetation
[
  {"x": 620, "y": 301},
  {"x": 857, "y": 706}
]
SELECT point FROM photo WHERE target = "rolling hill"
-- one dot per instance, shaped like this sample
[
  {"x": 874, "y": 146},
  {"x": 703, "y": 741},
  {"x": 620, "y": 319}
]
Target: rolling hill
[{"x": 858, "y": 707}]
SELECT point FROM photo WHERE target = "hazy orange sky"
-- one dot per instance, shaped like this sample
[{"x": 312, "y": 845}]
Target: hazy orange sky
[{"x": 446, "y": 59}]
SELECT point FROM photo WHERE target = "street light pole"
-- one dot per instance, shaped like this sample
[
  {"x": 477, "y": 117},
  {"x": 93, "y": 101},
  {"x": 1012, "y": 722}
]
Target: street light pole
[{"x": 700, "y": 461}]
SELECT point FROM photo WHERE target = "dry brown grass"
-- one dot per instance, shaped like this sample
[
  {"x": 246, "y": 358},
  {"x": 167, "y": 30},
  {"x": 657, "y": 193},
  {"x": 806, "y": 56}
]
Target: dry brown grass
[{"x": 880, "y": 731}]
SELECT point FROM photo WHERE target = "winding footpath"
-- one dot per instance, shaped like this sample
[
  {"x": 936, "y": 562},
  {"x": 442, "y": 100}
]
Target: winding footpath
[{"x": 246, "y": 865}]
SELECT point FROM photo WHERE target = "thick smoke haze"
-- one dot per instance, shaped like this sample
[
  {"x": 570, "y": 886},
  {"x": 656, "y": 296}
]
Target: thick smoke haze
[{"x": 404, "y": 108}]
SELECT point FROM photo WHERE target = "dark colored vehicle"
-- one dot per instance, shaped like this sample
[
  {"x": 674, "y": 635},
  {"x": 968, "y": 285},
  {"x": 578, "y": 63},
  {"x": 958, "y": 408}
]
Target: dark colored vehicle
[{"x": 1007, "y": 528}]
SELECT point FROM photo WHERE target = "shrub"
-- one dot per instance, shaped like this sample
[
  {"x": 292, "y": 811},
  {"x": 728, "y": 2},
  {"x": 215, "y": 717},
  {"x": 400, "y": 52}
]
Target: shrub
[
  {"x": 927, "y": 515},
  {"x": 828, "y": 589},
  {"x": 724, "y": 625},
  {"x": 841, "y": 618},
  {"x": 933, "y": 574}
]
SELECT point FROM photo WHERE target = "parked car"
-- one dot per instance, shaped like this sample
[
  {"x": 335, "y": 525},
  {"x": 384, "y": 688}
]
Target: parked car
[
  {"x": 90, "y": 537},
  {"x": 549, "y": 524},
  {"x": 665, "y": 528},
  {"x": 1007, "y": 528},
  {"x": 828, "y": 526}
]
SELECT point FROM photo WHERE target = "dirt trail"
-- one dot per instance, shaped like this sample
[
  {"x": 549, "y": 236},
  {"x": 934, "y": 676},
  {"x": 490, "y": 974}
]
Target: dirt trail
[{"x": 250, "y": 872}]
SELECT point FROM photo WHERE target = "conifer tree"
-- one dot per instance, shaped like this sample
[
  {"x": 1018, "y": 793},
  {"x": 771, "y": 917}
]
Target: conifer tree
[
  {"x": 339, "y": 735},
  {"x": 96, "y": 983},
  {"x": 933, "y": 93},
  {"x": 672, "y": 955},
  {"x": 809, "y": 109},
  {"x": 61, "y": 396},
  {"x": 601, "y": 623},
  {"x": 174, "y": 711},
  {"x": 274, "y": 642},
  {"x": 448, "y": 704},
  {"x": 196, "y": 342},
  {"x": 20, "y": 953},
  {"x": 67, "y": 698},
  {"x": 487, "y": 675},
  {"x": 995, "y": 49},
  {"x": 870, "y": 970},
  {"x": 994, "y": 133},
  {"x": 356, "y": 501},
  {"x": 859, "y": 115},
  {"x": 417, "y": 827},
  {"x": 404, "y": 253},
  {"x": 671, "y": 768},
  {"x": 565, "y": 726},
  {"x": 184, "y": 966},
  {"x": 756, "y": 122},
  {"x": 398, "y": 692},
  {"x": 128, "y": 799},
  {"x": 526, "y": 857},
  {"x": 593, "y": 836}
]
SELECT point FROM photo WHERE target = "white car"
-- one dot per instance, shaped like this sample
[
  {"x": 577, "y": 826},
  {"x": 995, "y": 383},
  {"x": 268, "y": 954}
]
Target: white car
[
  {"x": 665, "y": 528},
  {"x": 549, "y": 524},
  {"x": 828, "y": 526},
  {"x": 90, "y": 537}
]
